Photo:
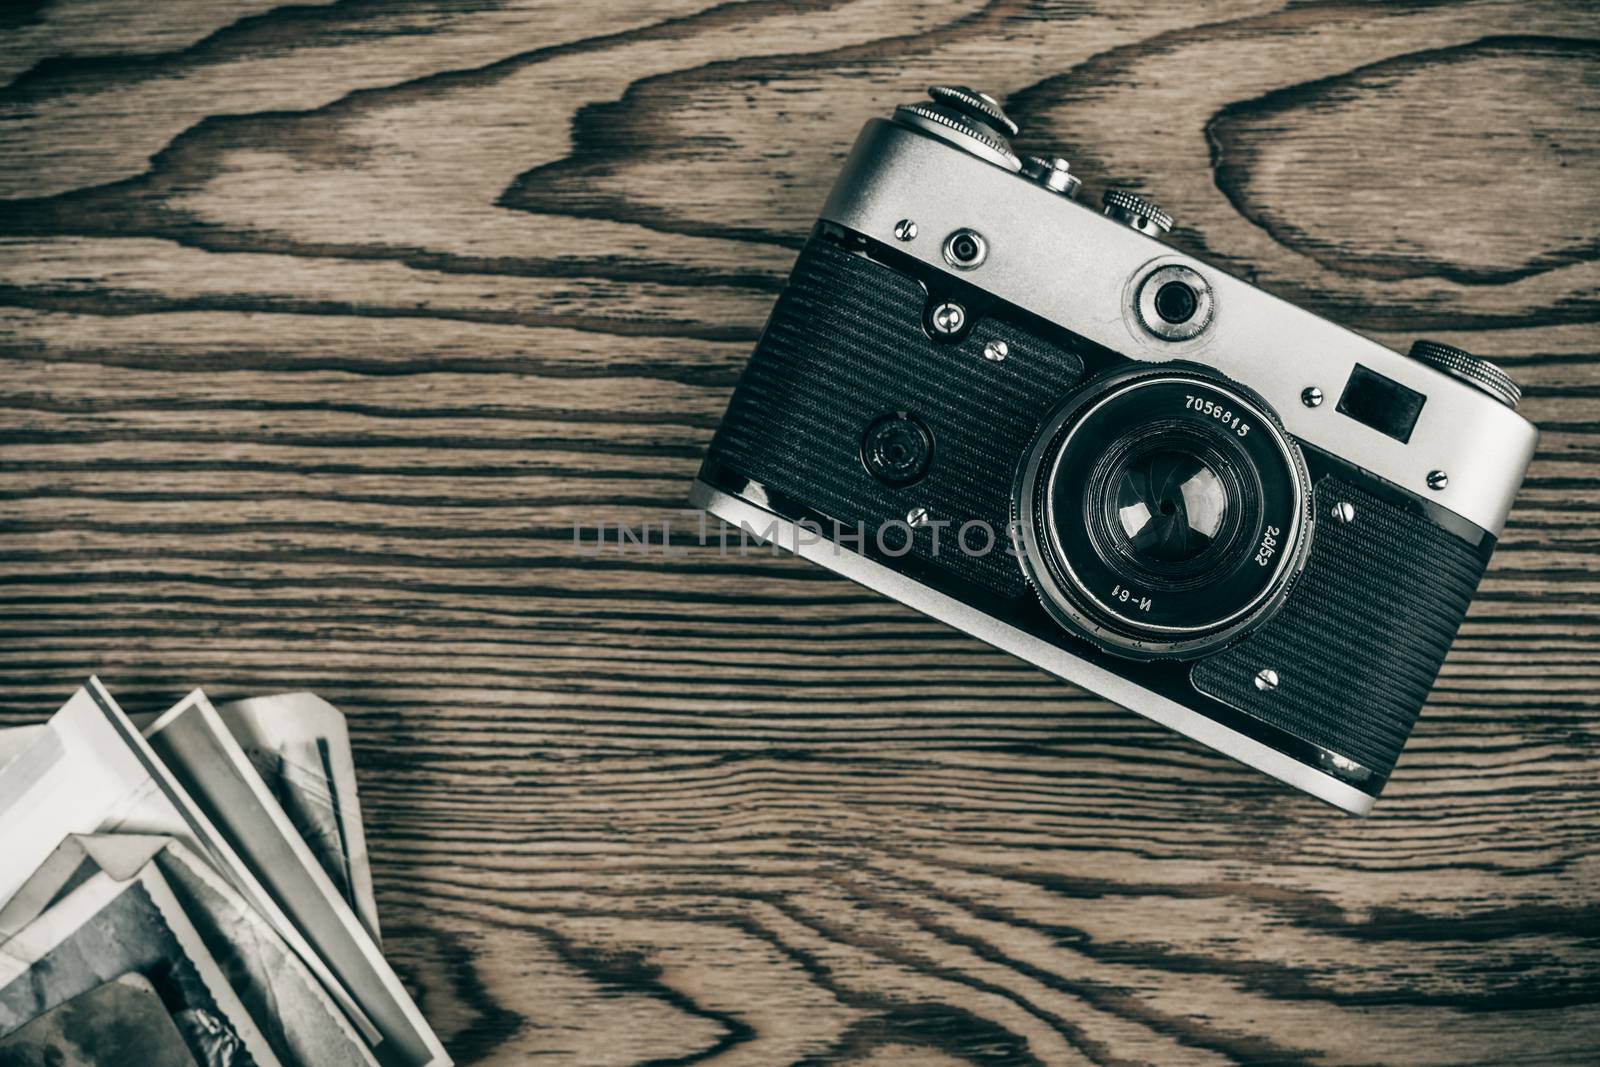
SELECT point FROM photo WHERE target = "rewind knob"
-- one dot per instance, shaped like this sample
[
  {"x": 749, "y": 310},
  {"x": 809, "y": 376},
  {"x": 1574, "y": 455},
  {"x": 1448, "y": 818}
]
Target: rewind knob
[{"x": 1143, "y": 215}]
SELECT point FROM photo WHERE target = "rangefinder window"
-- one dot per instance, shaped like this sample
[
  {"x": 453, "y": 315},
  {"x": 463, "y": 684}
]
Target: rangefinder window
[{"x": 1381, "y": 403}]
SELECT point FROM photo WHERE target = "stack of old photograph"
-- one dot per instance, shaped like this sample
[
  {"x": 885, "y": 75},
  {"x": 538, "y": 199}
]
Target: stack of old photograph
[{"x": 192, "y": 887}]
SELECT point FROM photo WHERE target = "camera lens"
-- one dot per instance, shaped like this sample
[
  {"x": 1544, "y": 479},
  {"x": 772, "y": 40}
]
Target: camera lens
[
  {"x": 897, "y": 448},
  {"x": 1164, "y": 513},
  {"x": 1175, "y": 302},
  {"x": 1170, "y": 506}
]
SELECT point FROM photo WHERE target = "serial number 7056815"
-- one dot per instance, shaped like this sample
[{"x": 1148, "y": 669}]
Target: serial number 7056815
[{"x": 1218, "y": 412}]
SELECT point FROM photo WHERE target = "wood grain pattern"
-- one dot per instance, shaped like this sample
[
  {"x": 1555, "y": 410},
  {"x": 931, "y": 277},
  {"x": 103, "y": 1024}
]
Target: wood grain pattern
[{"x": 321, "y": 325}]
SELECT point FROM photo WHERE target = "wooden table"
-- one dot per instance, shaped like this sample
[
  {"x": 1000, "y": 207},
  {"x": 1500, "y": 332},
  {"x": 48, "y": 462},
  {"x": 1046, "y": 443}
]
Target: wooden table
[{"x": 323, "y": 324}]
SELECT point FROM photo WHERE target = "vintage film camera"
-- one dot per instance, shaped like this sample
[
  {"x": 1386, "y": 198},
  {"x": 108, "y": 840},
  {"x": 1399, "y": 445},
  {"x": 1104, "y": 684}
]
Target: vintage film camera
[{"x": 1114, "y": 460}]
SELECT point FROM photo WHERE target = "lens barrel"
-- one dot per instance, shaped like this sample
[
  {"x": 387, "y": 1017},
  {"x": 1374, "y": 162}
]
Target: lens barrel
[{"x": 1163, "y": 512}]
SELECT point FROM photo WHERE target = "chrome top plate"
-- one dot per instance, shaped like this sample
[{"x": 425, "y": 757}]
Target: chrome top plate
[{"x": 1075, "y": 267}]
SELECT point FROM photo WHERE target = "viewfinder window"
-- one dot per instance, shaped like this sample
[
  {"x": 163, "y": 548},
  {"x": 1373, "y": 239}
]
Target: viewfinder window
[{"x": 1381, "y": 403}]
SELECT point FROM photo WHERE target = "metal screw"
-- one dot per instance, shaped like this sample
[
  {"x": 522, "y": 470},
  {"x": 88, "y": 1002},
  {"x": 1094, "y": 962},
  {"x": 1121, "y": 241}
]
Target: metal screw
[
  {"x": 917, "y": 516},
  {"x": 949, "y": 317},
  {"x": 905, "y": 230},
  {"x": 996, "y": 351},
  {"x": 1311, "y": 397},
  {"x": 1267, "y": 680},
  {"x": 1344, "y": 512},
  {"x": 1438, "y": 479}
]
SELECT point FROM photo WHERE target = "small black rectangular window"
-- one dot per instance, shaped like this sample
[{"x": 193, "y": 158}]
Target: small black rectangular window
[{"x": 1379, "y": 402}]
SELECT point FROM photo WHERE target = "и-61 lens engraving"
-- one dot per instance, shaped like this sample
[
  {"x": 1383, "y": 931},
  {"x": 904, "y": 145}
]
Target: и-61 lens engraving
[{"x": 1164, "y": 513}]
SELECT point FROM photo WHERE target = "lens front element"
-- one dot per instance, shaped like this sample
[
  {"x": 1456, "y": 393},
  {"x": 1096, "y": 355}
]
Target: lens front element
[
  {"x": 1170, "y": 506},
  {"x": 1163, "y": 512}
]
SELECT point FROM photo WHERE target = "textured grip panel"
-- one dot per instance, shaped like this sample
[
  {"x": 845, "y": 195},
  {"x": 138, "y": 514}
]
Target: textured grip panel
[
  {"x": 844, "y": 345},
  {"x": 1363, "y": 635}
]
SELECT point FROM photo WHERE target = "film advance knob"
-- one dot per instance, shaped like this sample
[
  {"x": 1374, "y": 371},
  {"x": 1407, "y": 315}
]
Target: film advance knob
[
  {"x": 1474, "y": 370},
  {"x": 1143, "y": 215},
  {"x": 967, "y": 118},
  {"x": 976, "y": 104}
]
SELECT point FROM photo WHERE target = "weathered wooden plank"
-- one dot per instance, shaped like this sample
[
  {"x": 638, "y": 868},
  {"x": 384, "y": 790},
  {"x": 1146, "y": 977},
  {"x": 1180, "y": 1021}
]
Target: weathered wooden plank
[{"x": 322, "y": 325}]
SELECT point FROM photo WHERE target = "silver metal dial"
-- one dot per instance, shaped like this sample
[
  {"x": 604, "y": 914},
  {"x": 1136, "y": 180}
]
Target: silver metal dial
[
  {"x": 967, "y": 119},
  {"x": 1474, "y": 370},
  {"x": 1143, "y": 215},
  {"x": 974, "y": 102}
]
